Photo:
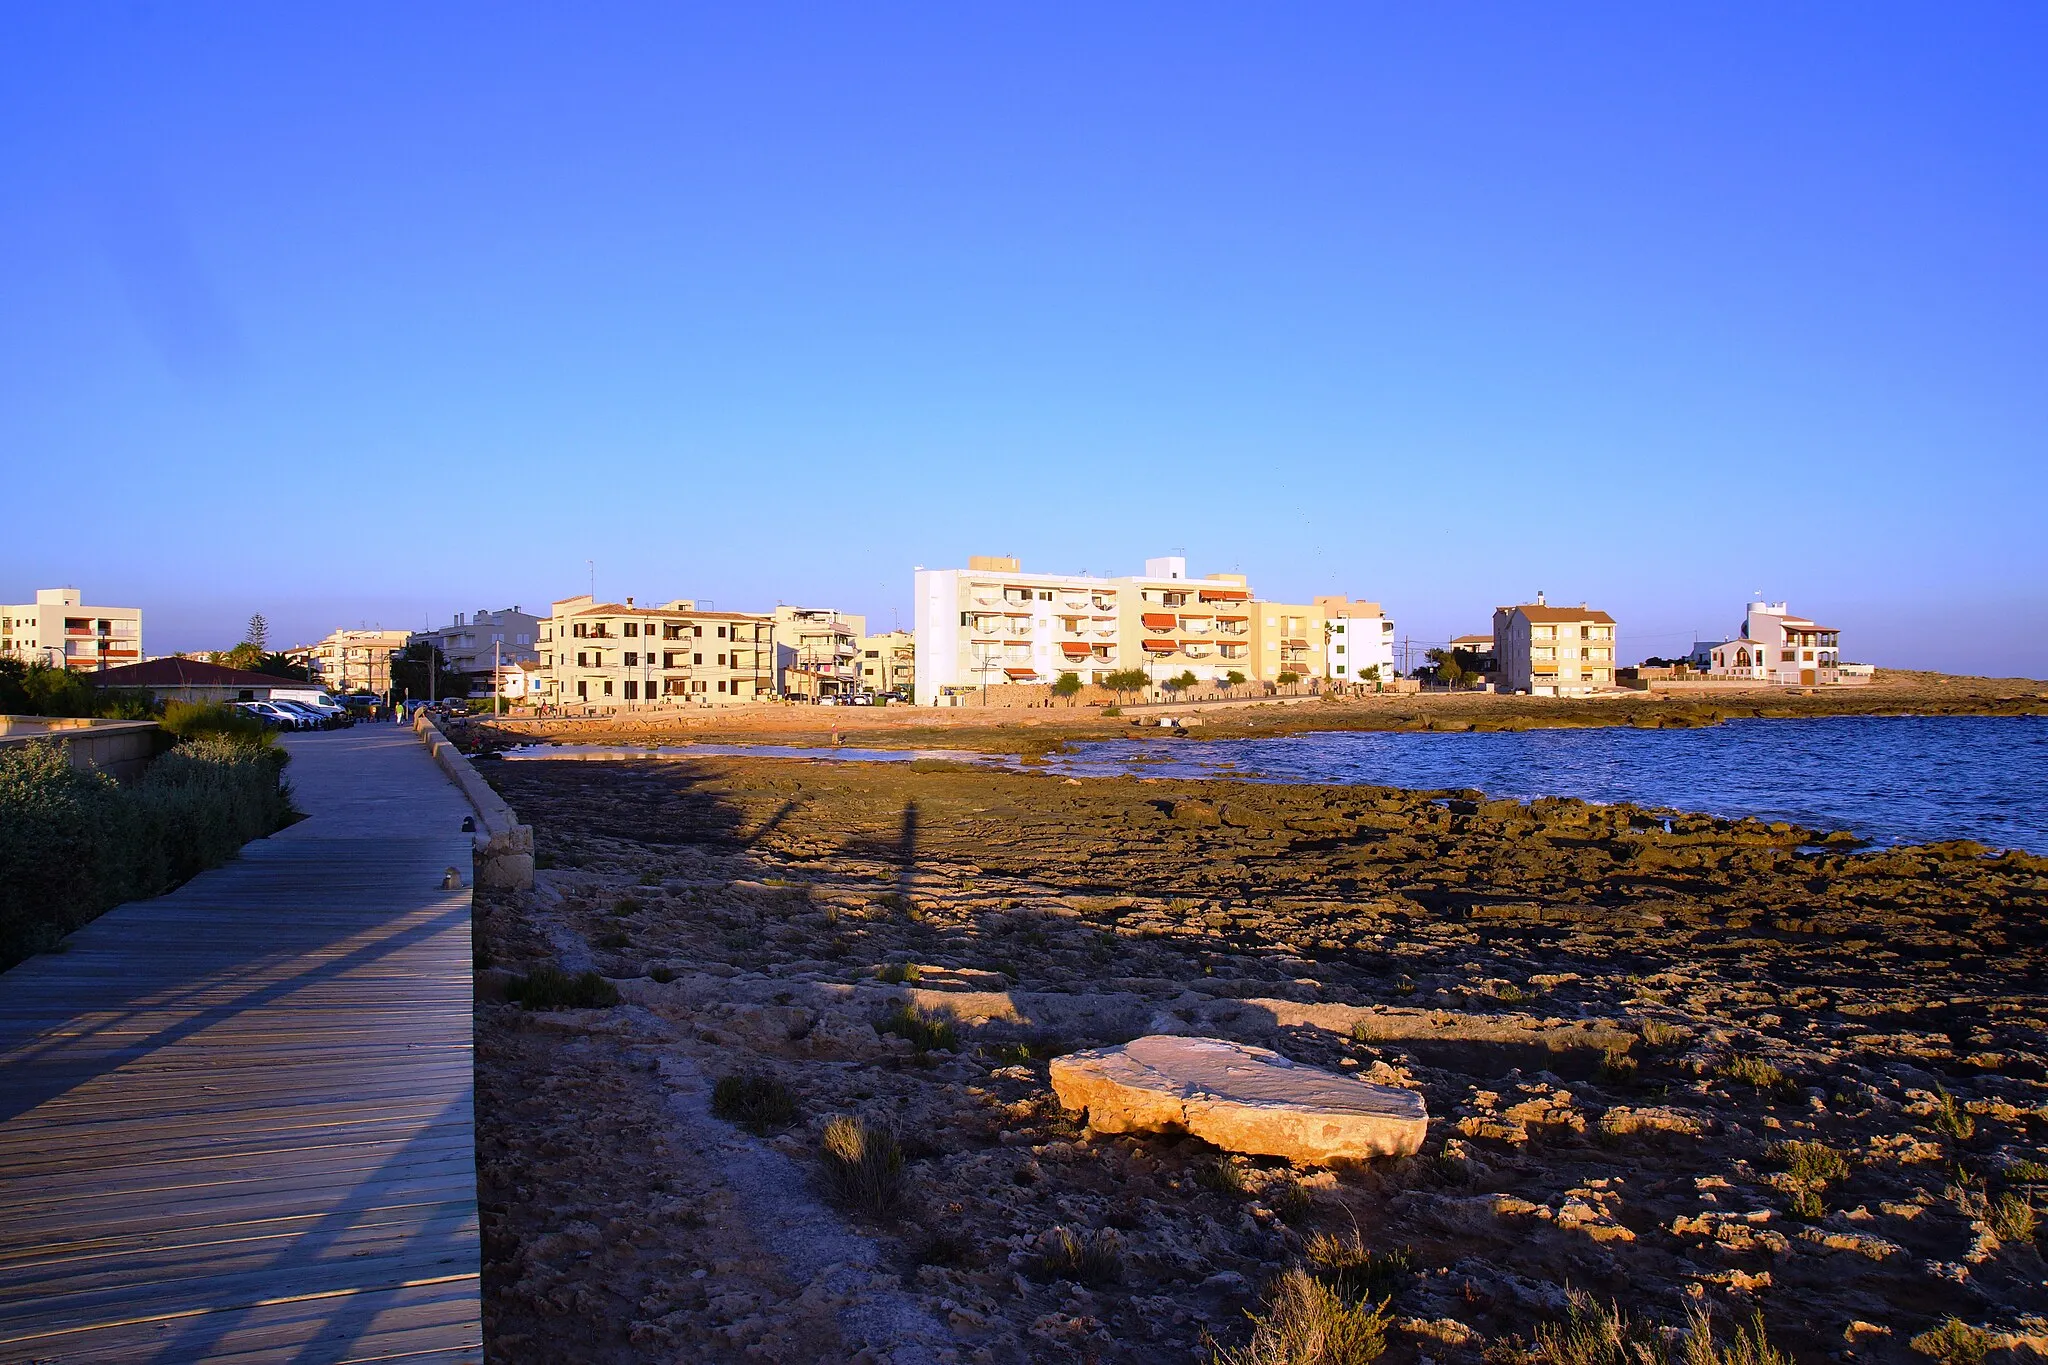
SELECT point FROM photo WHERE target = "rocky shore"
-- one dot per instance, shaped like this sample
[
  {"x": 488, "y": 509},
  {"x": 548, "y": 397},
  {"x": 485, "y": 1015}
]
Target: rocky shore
[{"x": 1668, "y": 1061}]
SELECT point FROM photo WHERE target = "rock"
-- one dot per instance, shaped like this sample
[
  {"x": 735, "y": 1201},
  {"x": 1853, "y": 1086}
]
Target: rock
[{"x": 1242, "y": 1099}]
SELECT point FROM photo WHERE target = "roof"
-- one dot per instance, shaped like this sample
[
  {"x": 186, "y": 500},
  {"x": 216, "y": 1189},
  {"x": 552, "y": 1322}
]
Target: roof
[
  {"x": 1558, "y": 615},
  {"x": 621, "y": 609},
  {"x": 1486, "y": 640},
  {"x": 186, "y": 673}
]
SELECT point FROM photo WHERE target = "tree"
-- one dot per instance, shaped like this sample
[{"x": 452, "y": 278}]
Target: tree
[
  {"x": 244, "y": 656},
  {"x": 1233, "y": 680},
  {"x": 258, "y": 634},
  {"x": 282, "y": 666},
  {"x": 1066, "y": 687},
  {"x": 1288, "y": 680},
  {"x": 1124, "y": 680},
  {"x": 37, "y": 689},
  {"x": 421, "y": 671},
  {"x": 1172, "y": 687},
  {"x": 1445, "y": 664}
]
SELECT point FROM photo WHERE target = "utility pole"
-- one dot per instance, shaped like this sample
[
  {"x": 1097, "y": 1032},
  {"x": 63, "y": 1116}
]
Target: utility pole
[{"x": 497, "y": 678}]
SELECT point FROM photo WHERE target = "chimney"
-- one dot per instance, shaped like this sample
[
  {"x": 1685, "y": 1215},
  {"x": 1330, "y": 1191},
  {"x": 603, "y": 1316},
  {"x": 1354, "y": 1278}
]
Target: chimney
[
  {"x": 1539, "y": 597},
  {"x": 629, "y": 601}
]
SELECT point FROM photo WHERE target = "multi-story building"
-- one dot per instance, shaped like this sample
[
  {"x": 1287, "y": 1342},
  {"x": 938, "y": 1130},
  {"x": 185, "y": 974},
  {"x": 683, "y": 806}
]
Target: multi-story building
[
  {"x": 1777, "y": 647},
  {"x": 58, "y": 629},
  {"x": 888, "y": 661},
  {"x": 474, "y": 644},
  {"x": 1287, "y": 639},
  {"x": 357, "y": 660},
  {"x": 817, "y": 651},
  {"x": 613, "y": 655},
  {"x": 992, "y": 623},
  {"x": 1359, "y": 640},
  {"x": 1551, "y": 651}
]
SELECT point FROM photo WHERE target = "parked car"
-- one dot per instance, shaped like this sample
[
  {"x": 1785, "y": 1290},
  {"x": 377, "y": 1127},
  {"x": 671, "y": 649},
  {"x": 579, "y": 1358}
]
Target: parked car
[
  {"x": 309, "y": 718},
  {"x": 276, "y": 717}
]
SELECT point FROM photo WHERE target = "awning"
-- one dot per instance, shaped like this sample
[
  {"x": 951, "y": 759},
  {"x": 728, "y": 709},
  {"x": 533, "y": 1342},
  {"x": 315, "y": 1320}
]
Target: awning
[
  {"x": 1221, "y": 617},
  {"x": 1160, "y": 646},
  {"x": 1159, "y": 620},
  {"x": 1225, "y": 595},
  {"x": 1076, "y": 649},
  {"x": 1021, "y": 672},
  {"x": 1295, "y": 644}
]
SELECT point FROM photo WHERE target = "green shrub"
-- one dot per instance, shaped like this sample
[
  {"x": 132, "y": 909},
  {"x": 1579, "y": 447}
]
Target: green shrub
[
  {"x": 1594, "y": 1335},
  {"x": 74, "y": 844},
  {"x": 188, "y": 720},
  {"x": 551, "y": 988},
  {"x": 926, "y": 1033},
  {"x": 1955, "y": 1342},
  {"x": 1749, "y": 1346},
  {"x": 2013, "y": 1218},
  {"x": 1755, "y": 1071},
  {"x": 759, "y": 1104},
  {"x": 1814, "y": 1162},
  {"x": 1346, "y": 1264},
  {"x": 896, "y": 973},
  {"x": 1951, "y": 1120},
  {"x": 1223, "y": 1174},
  {"x": 863, "y": 1165},
  {"x": 1308, "y": 1323}
]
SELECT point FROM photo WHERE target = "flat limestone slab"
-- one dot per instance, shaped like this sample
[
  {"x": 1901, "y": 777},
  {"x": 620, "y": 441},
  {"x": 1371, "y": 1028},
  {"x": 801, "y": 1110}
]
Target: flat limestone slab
[{"x": 1242, "y": 1099}]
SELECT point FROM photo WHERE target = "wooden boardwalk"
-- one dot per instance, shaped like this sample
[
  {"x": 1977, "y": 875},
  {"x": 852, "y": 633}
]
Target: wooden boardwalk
[{"x": 235, "y": 1121}]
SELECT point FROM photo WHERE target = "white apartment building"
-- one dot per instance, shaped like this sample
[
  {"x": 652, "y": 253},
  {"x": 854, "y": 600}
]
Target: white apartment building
[
  {"x": 1551, "y": 651},
  {"x": 357, "y": 660},
  {"x": 58, "y": 629},
  {"x": 606, "y": 656},
  {"x": 475, "y": 643},
  {"x": 1775, "y": 646},
  {"x": 1359, "y": 641},
  {"x": 993, "y": 623}
]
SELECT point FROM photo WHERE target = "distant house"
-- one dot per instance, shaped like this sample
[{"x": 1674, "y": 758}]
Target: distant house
[
  {"x": 1480, "y": 647},
  {"x": 176, "y": 679},
  {"x": 1775, "y": 646},
  {"x": 1551, "y": 651},
  {"x": 477, "y": 643}
]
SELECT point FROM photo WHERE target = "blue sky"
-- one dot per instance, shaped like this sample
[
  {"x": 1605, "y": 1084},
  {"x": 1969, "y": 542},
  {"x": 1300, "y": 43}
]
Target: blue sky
[{"x": 374, "y": 315}]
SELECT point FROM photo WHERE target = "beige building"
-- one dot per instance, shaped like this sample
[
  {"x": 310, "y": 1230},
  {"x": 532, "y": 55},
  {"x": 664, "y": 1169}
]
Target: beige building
[
  {"x": 817, "y": 652},
  {"x": 888, "y": 661},
  {"x": 618, "y": 655},
  {"x": 1775, "y": 646},
  {"x": 476, "y": 643},
  {"x": 1287, "y": 637},
  {"x": 58, "y": 629},
  {"x": 357, "y": 660},
  {"x": 1551, "y": 651}
]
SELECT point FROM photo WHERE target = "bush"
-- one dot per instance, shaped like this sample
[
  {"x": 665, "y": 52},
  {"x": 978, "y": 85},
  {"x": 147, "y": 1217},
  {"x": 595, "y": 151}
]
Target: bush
[
  {"x": 551, "y": 988},
  {"x": 2013, "y": 1218},
  {"x": 194, "y": 720},
  {"x": 1955, "y": 1342},
  {"x": 1951, "y": 1120},
  {"x": 74, "y": 844},
  {"x": 1813, "y": 1162},
  {"x": 863, "y": 1165},
  {"x": 759, "y": 1104},
  {"x": 1354, "y": 1270},
  {"x": 1090, "y": 1258},
  {"x": 925, "y": 1032},
  {"x": 1308, "y": 1323},
  {"x": 1755, "y": 1071}
]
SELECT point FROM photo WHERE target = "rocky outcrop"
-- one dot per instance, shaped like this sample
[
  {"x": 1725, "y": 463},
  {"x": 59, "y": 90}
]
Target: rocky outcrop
[{"x": 1242, "y": 1099}]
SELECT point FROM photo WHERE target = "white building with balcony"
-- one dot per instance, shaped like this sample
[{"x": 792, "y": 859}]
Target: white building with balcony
[
  {"x": 475, "y": 644},
  {"x": 1775, "y": 646},
  {"x": 58, "y": 629}
]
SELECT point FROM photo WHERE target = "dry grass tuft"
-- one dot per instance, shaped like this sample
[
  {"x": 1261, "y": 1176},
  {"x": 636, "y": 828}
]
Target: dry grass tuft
[
  {"x": 760, "y": 1104},
  {"x": 1308, "y": 1323},
  {"x": 863, "y": 1165},
  {"x": 1091, "y": 1258}
]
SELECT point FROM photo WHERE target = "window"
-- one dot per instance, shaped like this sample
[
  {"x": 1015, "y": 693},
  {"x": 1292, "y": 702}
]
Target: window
[
  {"x": 1045, "y": 597},
  {"x": 579, "y": 630},
  {"x": 672, "y": 632},
  {"x": 1787, "y": 656},
  {"x": 582, "y": 659},
  {"x": 632, "y": 660},
  {"x": 632, "y": 691},
  {"x": 872, "y": 654},
  {"x": 721, "y": 632},
  {"x": 721, "y": 661},
  {"x": 631, "y": 628},
  {"x": 697, "y": 630},
  {"x": 607, "y": 687},
  {"x": 582, "y": 690},
  {"x": 1340, "y": 650},
  {"x": 696, "y": 658},
  {"x": 721, "y": 684}
]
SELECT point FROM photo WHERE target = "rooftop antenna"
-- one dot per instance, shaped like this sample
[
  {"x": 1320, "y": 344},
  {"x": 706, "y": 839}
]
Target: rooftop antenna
[{"x": 591, "y": 564}]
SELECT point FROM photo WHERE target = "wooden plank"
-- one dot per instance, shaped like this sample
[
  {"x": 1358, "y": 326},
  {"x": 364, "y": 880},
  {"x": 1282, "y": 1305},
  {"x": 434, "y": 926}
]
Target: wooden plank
[{"x": 242, "y": 1118}]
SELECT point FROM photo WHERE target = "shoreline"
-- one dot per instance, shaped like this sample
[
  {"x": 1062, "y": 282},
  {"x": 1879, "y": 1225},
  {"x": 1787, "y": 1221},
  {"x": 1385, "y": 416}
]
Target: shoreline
[{"x": 1026, "y": 731}]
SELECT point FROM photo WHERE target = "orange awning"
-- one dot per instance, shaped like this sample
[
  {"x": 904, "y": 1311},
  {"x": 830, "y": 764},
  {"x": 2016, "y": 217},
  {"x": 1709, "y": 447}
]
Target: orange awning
[
  {"x": 1159, "y": 620},
  {"x": 1159, "y": 646},
  {"x": 1224, "y": 594},
  {"x": 1076, "y": 649},
  {"x": 1221, "y": 617},
  {"x": 1021, "y": 672}
]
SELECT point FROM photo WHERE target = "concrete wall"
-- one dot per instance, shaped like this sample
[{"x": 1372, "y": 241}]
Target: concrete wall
[
  {"x": 503, "y": 848},
  {"x": 120, "y": 748}
]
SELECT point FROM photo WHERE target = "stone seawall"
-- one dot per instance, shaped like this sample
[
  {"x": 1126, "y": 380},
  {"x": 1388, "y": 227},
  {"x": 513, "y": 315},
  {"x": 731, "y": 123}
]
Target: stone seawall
[{"x": 504, "y": 847}]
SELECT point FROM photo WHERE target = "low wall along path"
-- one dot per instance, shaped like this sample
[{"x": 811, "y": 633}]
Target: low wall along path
[{"x": 236, "y": 1120}]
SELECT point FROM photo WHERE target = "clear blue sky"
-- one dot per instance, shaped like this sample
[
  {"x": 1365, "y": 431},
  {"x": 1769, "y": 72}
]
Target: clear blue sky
[{"x": 373, "y": 314}]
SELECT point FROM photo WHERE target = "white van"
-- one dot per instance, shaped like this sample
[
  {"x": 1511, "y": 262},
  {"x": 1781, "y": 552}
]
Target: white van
[{"x": 310, "y": 696}]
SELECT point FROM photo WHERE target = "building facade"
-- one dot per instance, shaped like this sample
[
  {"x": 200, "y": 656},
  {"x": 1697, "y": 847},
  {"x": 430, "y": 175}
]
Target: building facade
[
  {"x": 58, "y": 629},
  {"x": 1775, "y": 646},
  {"x": 888, "y": 662},
  {"x": 1551, "y": 651},
  {"x": 1358, "y": 642},
  {"x": 993, "y": 623},
  {"x": 357, "y": 660},
  {"x": 620, "y": 656},
  {"x": 817, "y": 652},
  {"x": 473, "y": 644}
]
